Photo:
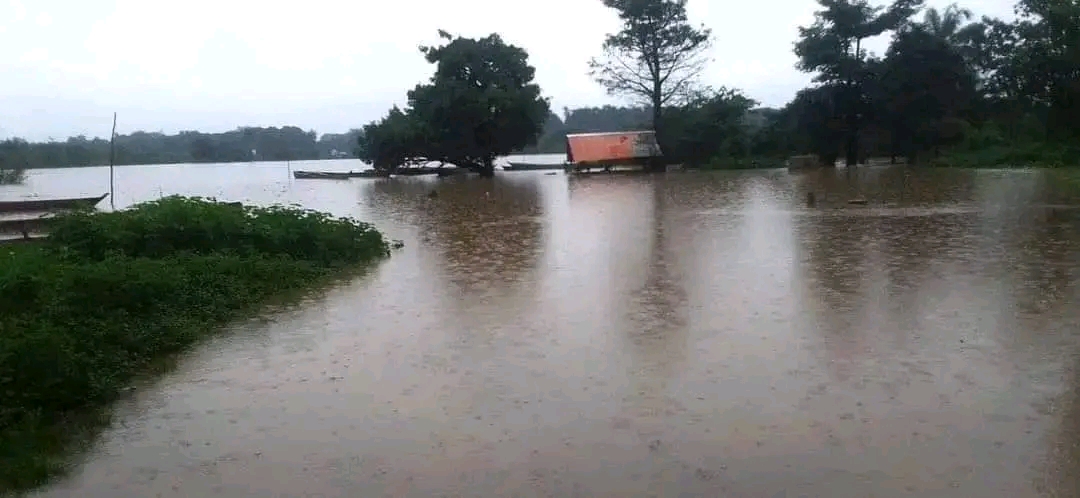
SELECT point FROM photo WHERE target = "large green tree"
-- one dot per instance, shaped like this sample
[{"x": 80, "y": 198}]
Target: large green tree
[
  {"x": 655, "y": 57},
  {"x": 1046, "y": 59},
  {"x": 928, "y": 86},
  {"x": 481, "y": 103},
  {"x": 832, "y": 48}
]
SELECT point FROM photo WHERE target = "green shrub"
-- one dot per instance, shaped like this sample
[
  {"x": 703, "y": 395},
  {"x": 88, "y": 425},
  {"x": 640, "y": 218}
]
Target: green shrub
[
  {"x": 1019, "y": 155},
  {"x": 110, "y": 293},
  {"x": 12, "y": 176},
  {"x": 172, "y": 224}
]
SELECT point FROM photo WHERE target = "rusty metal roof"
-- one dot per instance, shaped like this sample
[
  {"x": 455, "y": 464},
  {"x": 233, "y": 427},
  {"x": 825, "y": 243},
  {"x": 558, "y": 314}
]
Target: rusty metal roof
[{"x": 611, "y": 147}]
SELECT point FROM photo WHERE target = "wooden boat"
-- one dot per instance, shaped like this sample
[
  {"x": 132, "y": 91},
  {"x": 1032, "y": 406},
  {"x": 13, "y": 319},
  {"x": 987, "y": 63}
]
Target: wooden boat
[
  {"x": 419, "y": 171},
  {"x": 370, "y": 173},
  {"x": 514, "y": 166},
  {"x": 322, "y": 175},
  {"x": 49, "y": 204},
  {"x": 26, "y": 225}
]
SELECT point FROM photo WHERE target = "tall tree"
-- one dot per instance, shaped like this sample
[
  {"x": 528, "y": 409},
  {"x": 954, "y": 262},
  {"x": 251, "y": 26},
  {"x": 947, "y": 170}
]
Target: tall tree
[
  {"x": 929, "y": 88},
  {"x": 481, "y": 103},
  {"x": 1047, "y": 59},
  {"x": 832, "y": 47},
  {"x": 655, "y": 57}
]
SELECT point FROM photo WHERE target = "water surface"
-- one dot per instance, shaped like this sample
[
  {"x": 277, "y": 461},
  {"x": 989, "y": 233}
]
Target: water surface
[{"x": 688, "y": 334}]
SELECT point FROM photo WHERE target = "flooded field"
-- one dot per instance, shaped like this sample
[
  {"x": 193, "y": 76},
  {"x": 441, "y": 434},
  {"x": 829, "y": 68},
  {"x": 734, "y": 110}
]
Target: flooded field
[{"x": 688, "y": 334}]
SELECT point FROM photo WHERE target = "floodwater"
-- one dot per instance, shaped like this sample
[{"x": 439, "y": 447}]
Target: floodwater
[{"x": 687, "y": 334}]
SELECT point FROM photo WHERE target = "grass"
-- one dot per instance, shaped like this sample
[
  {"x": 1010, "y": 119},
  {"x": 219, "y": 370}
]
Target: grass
[
  {"x": 110, "y": 294},
  {"x": 1033, "y": 155}
]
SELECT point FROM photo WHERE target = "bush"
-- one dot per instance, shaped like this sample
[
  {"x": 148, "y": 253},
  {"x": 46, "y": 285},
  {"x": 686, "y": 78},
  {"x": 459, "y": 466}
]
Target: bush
[
  {"x": 12, "y": 176},
  {"x": 1012, "y": 156},
  {"x": 180, "y": 224},
  {"x": 111, "y": 292}
]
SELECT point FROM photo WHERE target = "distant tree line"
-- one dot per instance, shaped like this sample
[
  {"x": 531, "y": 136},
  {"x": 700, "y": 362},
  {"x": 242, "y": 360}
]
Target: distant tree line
[{"x": 269, "y": 144}]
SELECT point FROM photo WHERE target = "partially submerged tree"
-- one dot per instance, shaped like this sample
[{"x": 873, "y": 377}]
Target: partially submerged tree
[
  {"x": 655, "y": 57},
  {"x": 928, "y": 85},
  {"x": 481, "y": 103},
  {"x": 832, "y": 47}
]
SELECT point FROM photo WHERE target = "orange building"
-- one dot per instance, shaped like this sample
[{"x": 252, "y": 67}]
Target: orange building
[{"x": 625, "y": 147}]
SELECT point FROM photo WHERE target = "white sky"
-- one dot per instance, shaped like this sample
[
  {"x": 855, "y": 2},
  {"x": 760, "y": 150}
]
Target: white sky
[{"x": 328, "y": 65}]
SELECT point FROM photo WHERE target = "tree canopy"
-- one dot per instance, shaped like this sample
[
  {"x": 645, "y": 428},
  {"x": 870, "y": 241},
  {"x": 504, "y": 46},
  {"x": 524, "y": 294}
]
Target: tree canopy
[
  {"x": 479, "y": 104},
  {"x": 655, "y": 57}
]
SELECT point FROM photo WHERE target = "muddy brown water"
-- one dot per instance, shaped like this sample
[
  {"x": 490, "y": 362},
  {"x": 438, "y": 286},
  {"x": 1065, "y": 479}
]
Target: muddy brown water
[{"x": 689, "y": 334}]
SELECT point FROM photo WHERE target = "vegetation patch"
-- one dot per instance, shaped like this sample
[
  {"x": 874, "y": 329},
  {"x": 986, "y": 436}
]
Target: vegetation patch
[
  {"x": 109, "y": 293},
  {"x": 11, "y": 176}
]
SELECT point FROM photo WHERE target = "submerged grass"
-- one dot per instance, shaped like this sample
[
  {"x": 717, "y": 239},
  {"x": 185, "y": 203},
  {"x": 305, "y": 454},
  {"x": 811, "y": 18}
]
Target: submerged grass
[
  {"x": 108, "y": 294},
  {"x": 1026, "y": 155}
]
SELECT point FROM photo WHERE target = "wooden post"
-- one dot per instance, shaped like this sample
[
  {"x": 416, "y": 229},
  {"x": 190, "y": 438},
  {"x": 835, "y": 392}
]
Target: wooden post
[{"x": 112, "y": 159}]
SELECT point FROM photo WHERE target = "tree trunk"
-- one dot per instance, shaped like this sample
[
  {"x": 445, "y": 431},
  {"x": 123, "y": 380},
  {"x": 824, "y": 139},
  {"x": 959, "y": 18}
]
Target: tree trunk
[
  {"x": 487, "y": 169},
  {"x": 657, "y": 164},
  {"x": 852, "y": 152}
]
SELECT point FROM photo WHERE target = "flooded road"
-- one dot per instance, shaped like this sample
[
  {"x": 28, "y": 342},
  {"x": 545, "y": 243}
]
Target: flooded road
[{"x": 688, "y": 334}]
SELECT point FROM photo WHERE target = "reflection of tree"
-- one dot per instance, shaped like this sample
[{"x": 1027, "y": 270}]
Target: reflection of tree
[
  {"x": 489, "y": 231},
  {"x": 657, "y": 316}
]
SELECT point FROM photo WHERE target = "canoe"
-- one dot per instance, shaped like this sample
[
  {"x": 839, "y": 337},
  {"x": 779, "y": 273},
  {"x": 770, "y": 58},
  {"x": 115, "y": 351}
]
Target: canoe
[
  {"x": 419, "y": 171},
  {"x": 322, "y": 175},
  {"x": 513, "y": 166},
  {"x": 49, "y": 204}
]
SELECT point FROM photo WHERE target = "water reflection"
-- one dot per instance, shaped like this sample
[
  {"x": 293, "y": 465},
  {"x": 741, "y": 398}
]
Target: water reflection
[
  {"x": 488, "y": 232},
  {"x": 655, "y": 322}
]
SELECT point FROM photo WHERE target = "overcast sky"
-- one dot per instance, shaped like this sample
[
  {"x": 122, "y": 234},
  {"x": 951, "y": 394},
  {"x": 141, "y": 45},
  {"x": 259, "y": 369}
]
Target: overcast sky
[{"x": 328, "y": 65}]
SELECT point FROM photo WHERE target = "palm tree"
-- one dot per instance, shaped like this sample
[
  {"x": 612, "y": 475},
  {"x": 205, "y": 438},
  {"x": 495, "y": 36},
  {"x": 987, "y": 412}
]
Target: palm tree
[{"x": 948, "y": 24}]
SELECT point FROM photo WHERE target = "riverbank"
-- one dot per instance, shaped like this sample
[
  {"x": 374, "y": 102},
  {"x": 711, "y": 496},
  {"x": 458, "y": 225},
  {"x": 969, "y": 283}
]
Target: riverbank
[{"x": 110, "y": 294}]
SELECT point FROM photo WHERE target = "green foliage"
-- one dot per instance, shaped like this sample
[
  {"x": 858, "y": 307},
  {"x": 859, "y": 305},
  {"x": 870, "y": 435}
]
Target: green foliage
[
  {"x": 179, "y": 224},
  {"x": 949, "y": 91},
  {"x": 709, "y": 125},
  {"x": 1029, "y": 155},
  {"x": 832, "y": 47},
  {"x": 12, "y": 176},
  {"x": 926, "y": 87},
  {"x": 481, "y": 103},
  {"x": 109, "y": 293},
  {"x": 656, "y": 55}
]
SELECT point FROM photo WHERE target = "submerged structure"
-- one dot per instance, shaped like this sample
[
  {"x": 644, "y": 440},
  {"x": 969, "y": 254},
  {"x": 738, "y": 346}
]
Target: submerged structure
[{"x": 585, "y": 151}]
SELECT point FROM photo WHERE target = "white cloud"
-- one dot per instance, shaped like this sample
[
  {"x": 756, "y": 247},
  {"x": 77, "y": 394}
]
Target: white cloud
[{"x": 35, "y": 55}]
